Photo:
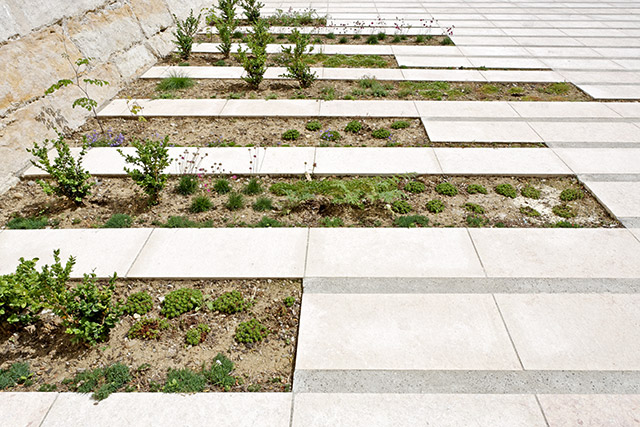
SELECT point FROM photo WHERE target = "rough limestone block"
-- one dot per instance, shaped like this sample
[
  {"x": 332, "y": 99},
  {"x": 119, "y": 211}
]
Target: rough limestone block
[
  {"x": 181, "y": 8},
  {"x": 161, "y": 44},
  {"x": 152, "y": 15},
  {"x": 99, "y": 34},
  {"x": 40, "y": 55},
  {"x": 134, "y": 61}
]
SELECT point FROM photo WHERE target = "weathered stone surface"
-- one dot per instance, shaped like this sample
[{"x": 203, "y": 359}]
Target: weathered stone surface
[
  {"x": 161, "y": 44},
  {"x": 152, "y": 15},
  {"x": 181, "y": 8},
  {"x": 40, "y": 54},
  {"x": 134, "y": 61},
  {"x": 100, "y": 34}
]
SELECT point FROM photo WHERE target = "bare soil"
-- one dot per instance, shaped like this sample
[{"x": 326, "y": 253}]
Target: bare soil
[
  {"x": 264, "y": 366},
  {"x": 338, "y": 38},
  {"x": 353, "y": 89},
  {"x": 120, "y": 195}
]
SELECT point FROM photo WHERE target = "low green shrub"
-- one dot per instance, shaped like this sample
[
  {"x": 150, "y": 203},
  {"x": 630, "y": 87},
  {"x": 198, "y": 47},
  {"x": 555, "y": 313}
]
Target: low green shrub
[
  {"x": 253, "y": 187},
  {"x": 475, "y": 221},
  {"x": 139, "y": 303},
  {"x": 506, "y": 190},
  {"x": 188, "y": 185},
  {"x": 381, "y": 36},
  {"x": 235, "y": 202},
  {"x": 118, "y": 220},
  {"x": 181, "y": 301},
  {"x": 251, "y": 332},
  {"x": 372, "y": 39},
  {"x": 565, "y": 224},
  {"x": 219, "y": 373},
  {"x": 331, "y": 222},
  {"x": 571, "y": 194},
  {"x": 415, "y": 187},
  {"x": 201, "y": 204},
  {"x": 411, "y": 221},
  {"x": 474, "y": 208},
  {"x": 17, "y": 373},
  {"x": 529, "y": 211},
  {"x": 289, "y": 301},
  {"x": 290, "y": 135},
  {"x": 101, "y": 381},
  {"x": 476, "y": 188},
  {"x": 30, "y": 223},
  {"x": 222, "y": 186},
  {"x": 182, "y": 222},
  {"x": 149, "y": 163},
  {"x": 147, "y": 328},
  {"x": 229, "y": 303},
  {"x": 184, "y": 381},
  {"x": 435, "y": 206},
  {"x": 401, "y": 207},
  {"x": 381, "y": 133},
  {"x": 197, "y": 335},
  {"x": 446, "y": 189},
  {"x": 564, "y": 211},
  {"x": 530, "y": 192},
  {"x": 263, "y": 204},
  {"x": 330, "y": 135},
  {"x": 353, "y": 126},
  {"x": 313, "y": 126},
  {"x": 400, "y": 124}
]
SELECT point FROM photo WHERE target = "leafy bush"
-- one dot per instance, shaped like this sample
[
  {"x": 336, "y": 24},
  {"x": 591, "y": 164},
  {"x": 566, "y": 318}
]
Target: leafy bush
[
  {"x": 175, "y": 82},
  {"x": 401, "y": 207},
  {"x": 330, "y": 135},
  {"x": 118, "y": 220},
  {"x": 197, "y": 335},
  {"x": 446, "y": 189},
  {"x": 435, "y": 206},
  {"x": 229, "y": 303},
  {"x": 400, "y": 124},
  {"x": 414, "y": 187},
  {"x": 188, "y": 185},
  {"x": 263, "y": 204},
  {"x": 290, "y": 135},
  {"x": 181, "y": 301},
  {"x": 570, "y": 194},
  {"x": 252, "y": 10},
  {"x": 17, "y": 373},
  {"x": 150, "y": 161},
  {"x": 313, "y": 126},
  {"x": 31, "y": 223},
  {"x": 530, "y": 192},
  {"x": 222, "y": 186},
  {"x": 185, "y": 31},
  {"x": 267, "y": 222},
  {"x": 472, "y": 207},
  {"x": 331, "y": 222},
  {"x": 381, "y": 133},
  {"x": 184, "y": 381},
  {"x": 201, "y": 204},
  {"x": 529, "y": 211},
  {"x": 218, "y": 374},
  {"x": 254, "y": 64},
  {"x": 225, "y": 22},
  {"x": 295, "y": 60},
  {"x": 147, "y": 328},
  {"x": 70, "y": 180},
  {"x": 139, "y": 303},
  {"x": 235, "y": 202},
  {"x": 564, "y": 211},
  {"x": 476, "y": 188},
  {"x": 411, "y": 221},
  {"x": 353, "y": 126},
  {"x": 251, "y": 332},
  {"x": 506, "y": 190}
]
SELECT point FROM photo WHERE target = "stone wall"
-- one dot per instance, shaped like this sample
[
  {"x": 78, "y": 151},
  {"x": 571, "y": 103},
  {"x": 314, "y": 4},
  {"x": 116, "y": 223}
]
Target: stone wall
[{"x": 123, "y": 38}]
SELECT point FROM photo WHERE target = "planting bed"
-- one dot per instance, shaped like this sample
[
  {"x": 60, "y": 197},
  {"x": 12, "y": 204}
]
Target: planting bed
[
  {"x": 370, "y": 89},
  {"x": 349, "y": 202},
  {"x": 350, "y": 39},
  {"x": 261, "y": 366}
]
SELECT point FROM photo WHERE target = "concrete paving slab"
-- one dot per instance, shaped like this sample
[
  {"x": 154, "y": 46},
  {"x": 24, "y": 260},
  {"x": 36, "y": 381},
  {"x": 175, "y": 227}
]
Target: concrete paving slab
[
  {"x": 105, "y": 250},
  {"x": 391, "y": 253},
  {"x": 270, "y": 108},
  {"x": 596, "y": 332},
  {"x": 222, "y": 253},
  {"x": 480, "y": 131},
  {"x": 563, "y": 110},
  {"x": 358, "y": 73},
  {"x": 465, "y": 109},
  {"x": 601, "y": 91},
  {"x": 621, "y": 198},
  {"x": 25, "y": 409},
  {"x": 500, "y": 161},
  {"x": 402, "y": 332},
  {"x": 443, "y": 75},
  {"x": 625, "y": 109},
  {"x": 527, "y": 76},
  {"x": 164, "y": 107},
  {"x": 601, "y": 77},
  {"x": 591, "y": 410},
  {"x": 368, "y": 109},
  {"x": 433, "y": 61},
  {"x": 601, "y": 160},
  {"x": 375, "y": 161},
  {"x": 153, "y": 409},
  {"x": 587, "y": 253},
  {"x": 370, "y": 409},
  {"x": 507, "y": 62},
  {"x": 581, "y": 64},
  {"x": 586, "y": 131}
]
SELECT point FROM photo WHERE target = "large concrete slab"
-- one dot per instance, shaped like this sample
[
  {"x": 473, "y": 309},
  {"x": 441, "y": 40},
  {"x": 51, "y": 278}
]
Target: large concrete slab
[
  {"x": 480, "y": 131},
  {"x": 154, "y": 409},
  {"x": 613, "y": 91},
  {"x": 500, "y": 161},
  {"x": 402, "y": 332},
  {"x": 591, "y": 410},
  {"x": 621, "y": 198},
  {"x": 164, "y": 108},
  {"x": 596, "y": 332},
  {"x": 391, "y": 253},
  {"x": 222, "y": 253},
  {"x": 586, "y": 131},
  {"x": 106, "y": 250},
  {"x": 270, "y": 108},
  {"x": 586, "y": 253},
  {"x": 368, "y": 109},
  {"x": 371, "y": 409},
  {"x": 25, "y": 409},
  {"x": 465, "y": 109},
  {"x": 563, "y": 110},
  {"x": 375, "y": 161},
  {"x": 601, "y": 160}
]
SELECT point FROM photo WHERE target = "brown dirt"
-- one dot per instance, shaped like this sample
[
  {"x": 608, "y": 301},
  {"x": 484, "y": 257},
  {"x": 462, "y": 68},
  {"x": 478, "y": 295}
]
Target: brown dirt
[
  {"x": 323, "y": 39},
  {"x": 53, "y": 357},
  {"x": 351, "y": 89},
  {"x": 120, "y": 195}
]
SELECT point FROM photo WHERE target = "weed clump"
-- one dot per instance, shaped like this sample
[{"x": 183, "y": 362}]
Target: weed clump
[
  {"x": 475, "y": 221},
  {"x": 446, "y": 189},
  {"x": 400, "y": 124},
  {"x": 184, "y": 381},
  {"x": 313, "y": 126},
  {"x": 415, "y": 187},
  {"x": 571, "y": 194},
  {"x": 435, "y": 206},
  {"x": 139, "y": 303},
  {"x": 219, "y": 373},
  {"x": 118, "y": 221},
  {"x": 506, "y": 190},
  {"x": 201, "y": 204},
  {"x": 476, "y": 188},
  {"x": 182, "y": 222},
  {"x": 267, "y": 222},
  {"x": 474, "y": 208},
  {"x": 197, "y": 335},
  {"x": 331, "y": 222},
  {"x": 353, "y": 126},
  {"x": 147, "y": 328},
  {"x": 17, "y": 373},
  {"x": 222, "y": 186},
  {"x": 181, "y": 301},
  {"x": 263, "y": 204},
  {"x": 235, "y": 201},
  {"x": 229, "y": 303},
  {"x": 290, "y": 135},
  {"x": 564, "y": 211},
  {"x": 530, "y": 192},
  {"x": 251, "y": 332},
  {"x": 175, "y": 82},
  {"x": 529, "y": 211},
  {"x": 411, "y": 221},
  {"x": 401, "y": 207},
  {"x": 31, "y": 223},
  {"x": 188, "y": 185},
  {"x": 381, "y": 133},
  {"x": 101, "y": 381}
]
